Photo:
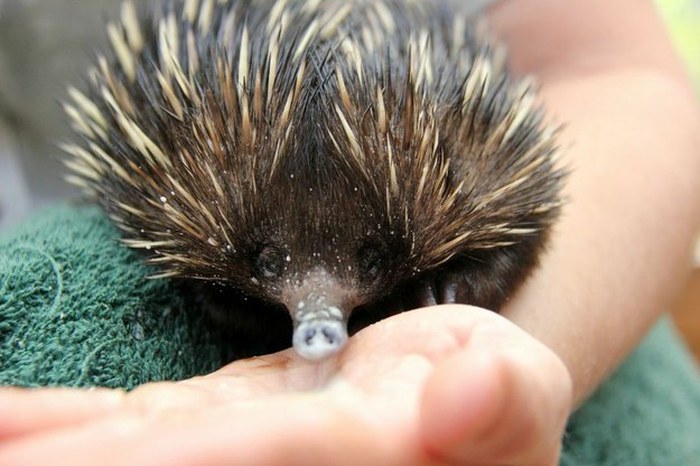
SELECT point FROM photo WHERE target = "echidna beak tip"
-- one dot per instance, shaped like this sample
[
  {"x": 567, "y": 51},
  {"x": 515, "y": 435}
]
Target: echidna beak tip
[{"x": 319, "y": 339}]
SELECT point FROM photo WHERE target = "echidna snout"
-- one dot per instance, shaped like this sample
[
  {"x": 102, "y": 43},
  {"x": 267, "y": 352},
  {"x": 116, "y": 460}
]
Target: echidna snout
[
  {"x": 319, "y": 338},
  {"x": 320, "y": 308}
]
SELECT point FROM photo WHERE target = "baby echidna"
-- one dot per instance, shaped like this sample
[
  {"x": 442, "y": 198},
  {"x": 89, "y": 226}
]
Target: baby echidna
[{"x": 333, "y": 161}]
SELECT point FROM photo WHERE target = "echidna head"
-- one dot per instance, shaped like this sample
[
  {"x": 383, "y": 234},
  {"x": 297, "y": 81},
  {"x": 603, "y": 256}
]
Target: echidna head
[{"x": 321, "y": 252}]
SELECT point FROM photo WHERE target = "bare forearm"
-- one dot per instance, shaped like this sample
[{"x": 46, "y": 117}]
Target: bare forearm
[{"x": 620, "y": 251}]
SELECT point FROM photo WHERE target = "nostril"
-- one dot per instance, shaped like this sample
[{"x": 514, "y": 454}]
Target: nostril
[
  {"x": 319, "y": 339},
  {"x": 309, "y": 335},
  {"x": 330, "y": 334}
]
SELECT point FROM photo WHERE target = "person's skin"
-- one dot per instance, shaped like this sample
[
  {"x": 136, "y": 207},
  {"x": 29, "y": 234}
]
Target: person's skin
[
  {"x": 453, "y": 384},
  {"x": 632, "y": 134}
]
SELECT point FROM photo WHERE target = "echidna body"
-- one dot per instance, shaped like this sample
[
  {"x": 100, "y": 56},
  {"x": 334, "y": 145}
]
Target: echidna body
[{"x": 331, "y": 161}]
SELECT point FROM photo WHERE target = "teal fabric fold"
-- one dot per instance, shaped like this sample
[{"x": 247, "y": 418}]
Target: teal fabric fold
[
  {"x": 647, "y": 413},
  {"x": 77, "y": 309}
]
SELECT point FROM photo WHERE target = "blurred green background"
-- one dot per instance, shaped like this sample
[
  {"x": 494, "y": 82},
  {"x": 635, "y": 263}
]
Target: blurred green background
[{"x": 683, "y": 18}]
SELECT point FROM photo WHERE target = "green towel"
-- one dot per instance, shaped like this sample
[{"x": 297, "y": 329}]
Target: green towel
[{"x": 76, "y": 310}]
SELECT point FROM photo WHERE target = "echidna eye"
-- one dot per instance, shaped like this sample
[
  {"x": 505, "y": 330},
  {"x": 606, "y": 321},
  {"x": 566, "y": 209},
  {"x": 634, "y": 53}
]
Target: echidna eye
[
  {"x": 370, "y": 261},
  {"x": 269, "y": 263}
]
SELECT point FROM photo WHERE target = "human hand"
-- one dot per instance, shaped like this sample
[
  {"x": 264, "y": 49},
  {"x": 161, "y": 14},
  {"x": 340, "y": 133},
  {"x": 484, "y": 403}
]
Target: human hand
[{"x": 444, "y": 385}]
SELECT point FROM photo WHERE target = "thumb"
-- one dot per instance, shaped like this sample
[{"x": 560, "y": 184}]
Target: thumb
[{"x": 504, "y": 398}]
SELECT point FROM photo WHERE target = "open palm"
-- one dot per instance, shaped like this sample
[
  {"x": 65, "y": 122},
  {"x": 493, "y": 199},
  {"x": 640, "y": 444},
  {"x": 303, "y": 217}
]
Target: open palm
[{"x": 442, "y": 385}]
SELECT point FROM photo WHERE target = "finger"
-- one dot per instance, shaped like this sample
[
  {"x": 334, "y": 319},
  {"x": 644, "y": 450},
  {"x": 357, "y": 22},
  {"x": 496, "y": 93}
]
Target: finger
[
  {"x": 504, "y": 399},
  {"x": 431, "y": 332},
  {"x": 297, "y": 430},
  {"x": 64, "y": 445},
  {"x": 284, "y": 430},
  {"x": 273, "y": 374},
  {"x": 27, "y": 410}
]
